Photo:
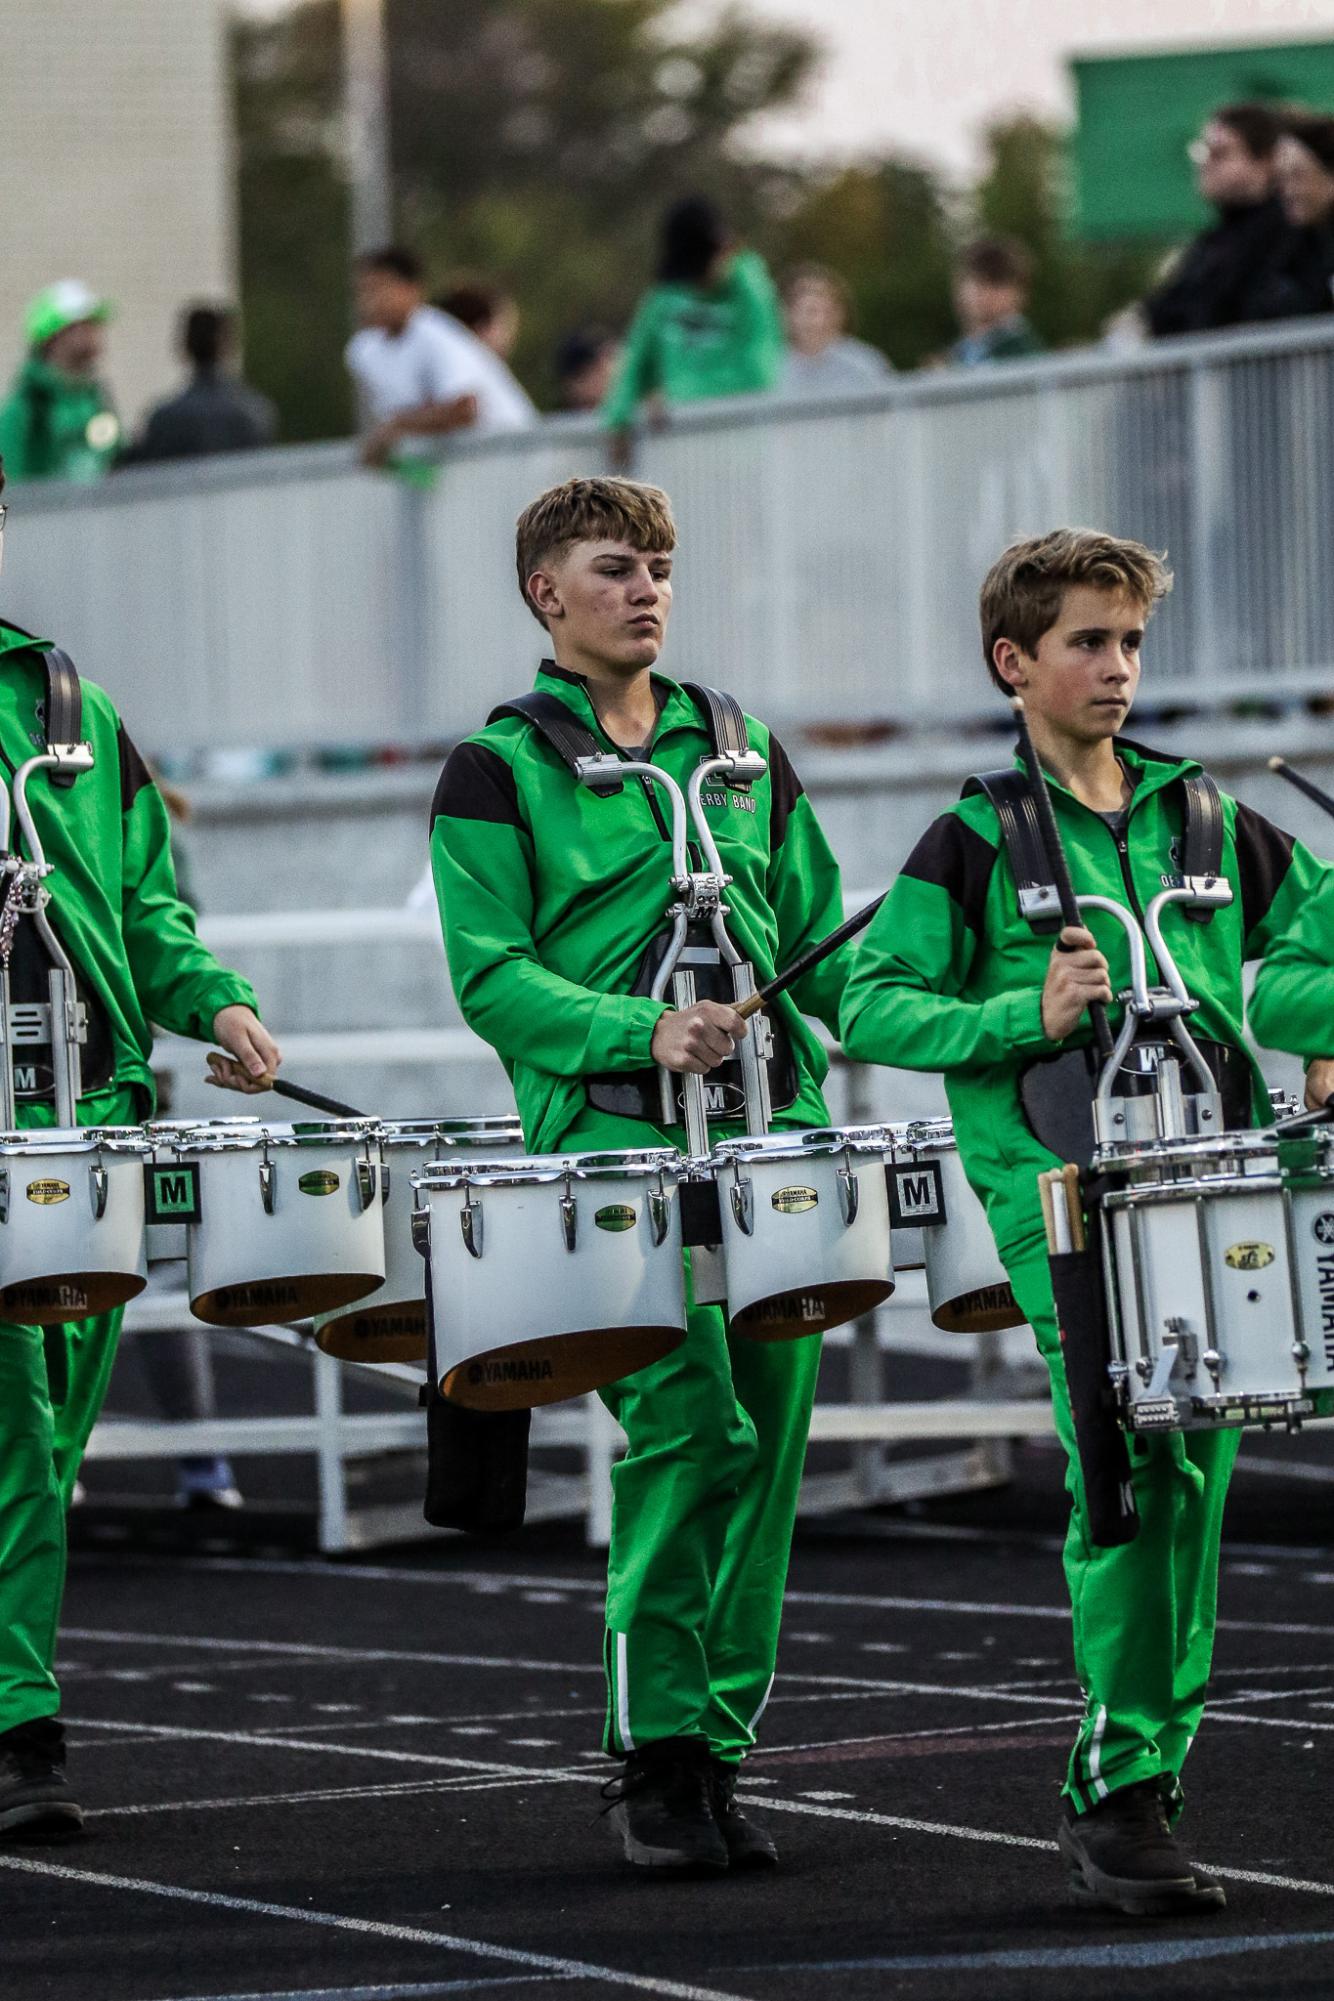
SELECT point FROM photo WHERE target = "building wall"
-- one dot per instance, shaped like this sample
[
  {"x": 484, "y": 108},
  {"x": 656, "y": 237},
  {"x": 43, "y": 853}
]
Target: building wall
[{"x": 116, "y": 147}]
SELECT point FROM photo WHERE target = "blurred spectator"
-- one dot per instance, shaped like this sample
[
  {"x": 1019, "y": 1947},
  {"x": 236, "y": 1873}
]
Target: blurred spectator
[
  {"x": 1304, "y": 170},
  {"x": 585, "y": 364},
  {"x": 710, "y": 326},
  {"x": 823, "y": 359},
  {"x": 1250, "y": 265},
  {"x": 58, "y": 422},
  {"x": 420, "y": 375},
  {"x": 216, "y": 412},
  {"x": 991, "y": 281},
  {"x": 486, "y": 309}
]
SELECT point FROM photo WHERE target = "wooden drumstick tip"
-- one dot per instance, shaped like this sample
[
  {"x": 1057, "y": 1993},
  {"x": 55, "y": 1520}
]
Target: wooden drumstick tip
[
  {"x": 1017, "y": 704},
  {"x": 1278, "y": 763}
]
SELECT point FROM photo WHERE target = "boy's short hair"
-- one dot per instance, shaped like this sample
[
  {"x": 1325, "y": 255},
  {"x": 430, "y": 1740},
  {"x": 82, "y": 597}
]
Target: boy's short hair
[
  {"x": 1258, "y": 126},
  {"x": 996, "y": 260},
  {"x": 1023, "y": 590},
  {"x": 590, "y": 510},
  {"x": 395, "y": 261}
]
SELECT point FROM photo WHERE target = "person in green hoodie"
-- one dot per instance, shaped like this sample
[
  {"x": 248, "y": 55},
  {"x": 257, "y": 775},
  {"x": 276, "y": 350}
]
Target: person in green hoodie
[
  {"x": 712, "y": 325},
  {"x": 58, "y": 421},
  {"x": 550, "y": 898},
  {"x": 137, "y": 960},
  {"x": 950, "y": 977}
]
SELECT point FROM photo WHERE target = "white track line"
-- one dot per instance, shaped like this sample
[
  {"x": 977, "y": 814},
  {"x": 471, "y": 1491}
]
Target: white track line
[
  {"x": 538, "y": 1962},
  {"x": 254, "y": 1739}
]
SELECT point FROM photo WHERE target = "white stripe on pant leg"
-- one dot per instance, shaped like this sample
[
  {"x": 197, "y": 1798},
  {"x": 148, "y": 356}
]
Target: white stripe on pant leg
[
  {"x": 623, "y": 1693},
  {"x": 754, "y": 1723},
  {"x": 1096, "y": 1779}
]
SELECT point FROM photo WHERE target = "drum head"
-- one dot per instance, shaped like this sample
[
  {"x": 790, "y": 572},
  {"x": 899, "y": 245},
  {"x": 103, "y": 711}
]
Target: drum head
[
  {"x": 369, "y": 1332},
  {"x": 786, "y": 1316},
  {"x": 271, "y": 1302},
  {"x": 75, "y": 1295},
  {"x": 550, "y": 1369},
  {"x": 987, "y": 1310}
]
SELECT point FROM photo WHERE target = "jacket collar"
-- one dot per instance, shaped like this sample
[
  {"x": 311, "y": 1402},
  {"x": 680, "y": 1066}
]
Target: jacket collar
[
  {"x": 675, "y": 708},
  {"x": 13, "y": 639},
  {"x": 1152, "y": 769}
]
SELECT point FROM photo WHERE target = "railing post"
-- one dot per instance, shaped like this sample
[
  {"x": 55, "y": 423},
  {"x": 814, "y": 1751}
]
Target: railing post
[
  {"x": 1209, "y": 485},
  {"x": 332, "y": 1471}
]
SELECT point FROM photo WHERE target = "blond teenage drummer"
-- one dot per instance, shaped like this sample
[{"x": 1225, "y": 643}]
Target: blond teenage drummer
[{"x": 137, "y": 959}]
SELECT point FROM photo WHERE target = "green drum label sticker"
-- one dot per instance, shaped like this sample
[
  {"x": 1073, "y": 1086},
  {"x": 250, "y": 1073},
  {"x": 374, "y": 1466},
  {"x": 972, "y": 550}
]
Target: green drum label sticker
[
  {"x": 47, "y": 1192},
  {"x": 616, "y": 1216},
  {"x": 320, "y": 1181},
  {"x": 794, "y": 1201},
  {"x": 1249, "y": 1256}
]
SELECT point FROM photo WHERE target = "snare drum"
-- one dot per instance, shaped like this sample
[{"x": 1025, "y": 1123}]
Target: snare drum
[
  {"x": 550, "y": 1275},
  {"x": 805, "y": 1222},
  {"x": 291, "y": 1220},
  {"x": 966, "y": 1283},
  {"x": 71, "y": 1222},
  {"x": 390, "y": 1325},
  {"x": 1212, "y": 1267}
]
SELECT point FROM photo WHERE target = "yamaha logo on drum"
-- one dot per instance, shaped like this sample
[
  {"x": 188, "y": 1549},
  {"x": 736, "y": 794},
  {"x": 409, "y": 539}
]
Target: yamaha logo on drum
[
  {"x": 616, "y": 1216},
  {"x": 46, "y": 1192},
  {"x": 794, "y": 1201},
  {"x": 1323, "y": 1227},
  {"x": 1248, "y": 1257},
  {"x": 320, "y": 1181}
]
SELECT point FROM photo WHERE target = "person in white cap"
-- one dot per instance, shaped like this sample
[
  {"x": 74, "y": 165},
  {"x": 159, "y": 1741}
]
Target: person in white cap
[{"x": 58, "y": 421}]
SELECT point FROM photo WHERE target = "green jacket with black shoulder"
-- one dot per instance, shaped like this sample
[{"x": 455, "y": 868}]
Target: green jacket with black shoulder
[
  {"x": 114, "y": 903},
  {"x": 949, "y": 976},
  {"x": 550, "y": 897}
]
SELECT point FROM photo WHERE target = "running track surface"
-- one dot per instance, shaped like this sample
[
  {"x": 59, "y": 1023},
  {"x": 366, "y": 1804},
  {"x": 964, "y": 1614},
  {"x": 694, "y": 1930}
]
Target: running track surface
[{"x": 378, "y": 1779}]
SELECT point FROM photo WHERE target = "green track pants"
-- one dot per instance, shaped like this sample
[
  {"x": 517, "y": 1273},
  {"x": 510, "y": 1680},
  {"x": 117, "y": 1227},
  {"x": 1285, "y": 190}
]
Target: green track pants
[
  {"x": 1144, "y": 1613},
  {"x": 703, "y": 1506},
  {"x": 52, "y": 1383}
]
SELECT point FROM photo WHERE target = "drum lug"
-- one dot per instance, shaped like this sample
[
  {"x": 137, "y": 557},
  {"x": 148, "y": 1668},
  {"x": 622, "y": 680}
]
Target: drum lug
[
  {"x": 4, "y": 1194},
  {"x": 266, "y": 1186},
  {"x": 97, "y": 1190},
  {"x": 384, "y": 1178},
  {"x": 421, "y": 1232},
  {"x": 366, "y": 1182},
  {"x": 659, "y": 1214},
  {"x": 743, "y": 1205},
  {"x": 470, "y": 1222},
  {"x": 848, "y": 1195},
  {"x": 569, "y": 1219}
]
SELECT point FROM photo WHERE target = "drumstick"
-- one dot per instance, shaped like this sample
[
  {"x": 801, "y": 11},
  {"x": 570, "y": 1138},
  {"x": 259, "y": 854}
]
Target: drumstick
[
  {"x": 1282, "y": 769},
  {"x": 315, "y": 1100},
  {"x": 1044, "y": 1197},
  {"x": 1056, "y": 861},
  {"x": 1073, "y": 1203},
  {"x": 809, "y": 958}
]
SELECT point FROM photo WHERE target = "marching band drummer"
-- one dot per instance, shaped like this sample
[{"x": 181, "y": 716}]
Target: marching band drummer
[
  {"x": 950, "y": 977},
  {"x": 550, "y": 898},
  {"x": 137, "y": 959}
]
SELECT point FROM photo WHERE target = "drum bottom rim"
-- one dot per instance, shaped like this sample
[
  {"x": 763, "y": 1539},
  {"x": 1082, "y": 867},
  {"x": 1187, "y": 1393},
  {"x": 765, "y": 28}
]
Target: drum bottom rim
[
  {"x": 303, "y": 1295},
  {"x": 840, "y": 1300},
  {"x": 553, "y": 1367},
  {"x": 371, "y": 1331},
  {"x": 987, "y": 1309},
  {"x": 101, "y": 1292}
]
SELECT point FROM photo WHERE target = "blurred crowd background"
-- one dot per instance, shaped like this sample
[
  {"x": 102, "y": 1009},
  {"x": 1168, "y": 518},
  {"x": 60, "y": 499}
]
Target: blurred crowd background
[{"x": 582, "y": 222}]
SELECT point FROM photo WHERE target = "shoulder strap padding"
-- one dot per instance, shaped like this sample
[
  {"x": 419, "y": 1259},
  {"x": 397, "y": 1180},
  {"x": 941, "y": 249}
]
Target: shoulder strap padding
[
  {"x": 726, "y": 723},
  {"x": 568, "y": 737},
  {"x": 1202, "y": 836},
  {"x": 64, "y": 706},
  {"x": 1012, "y": 800}
]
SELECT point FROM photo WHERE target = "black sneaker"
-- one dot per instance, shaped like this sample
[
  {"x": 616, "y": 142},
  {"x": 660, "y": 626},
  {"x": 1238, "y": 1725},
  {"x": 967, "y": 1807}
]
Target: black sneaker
[
  {"x": 662, "y": 1808},
  {"x": 36, "y": 1803},
  {"x": 1174, "y": 1805},
  {"x": 748, "y": 1845},
  {"x": 1123, "y": 1856}
]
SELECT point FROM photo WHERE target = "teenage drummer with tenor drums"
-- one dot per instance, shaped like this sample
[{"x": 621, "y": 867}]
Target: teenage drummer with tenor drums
[
  {"x": 551, "y": 898},
  {"x": 952, "y": 977},
  {"x": 115, "y": 910}
]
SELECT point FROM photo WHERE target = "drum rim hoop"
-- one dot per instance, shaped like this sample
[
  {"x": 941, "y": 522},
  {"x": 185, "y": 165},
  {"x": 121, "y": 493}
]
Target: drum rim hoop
[{"x": 531, "y": 1170}]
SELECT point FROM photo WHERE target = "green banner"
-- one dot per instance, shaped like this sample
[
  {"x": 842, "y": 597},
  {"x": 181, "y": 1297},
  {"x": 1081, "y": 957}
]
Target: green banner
[{"x": 1137, "y": 115}]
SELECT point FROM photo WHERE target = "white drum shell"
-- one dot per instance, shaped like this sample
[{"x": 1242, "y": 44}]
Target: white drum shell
[
  {"x": 389, "y": 1325},
  {"x": 165, "y": 1243},
  {"x": 803, "y": 1266},
  {"x": 968, "y": 1289},
  {"x": 60, "y": 1259},
  {"x": 249, "y": 1265},
  {"x": 571, "y": 1320}
]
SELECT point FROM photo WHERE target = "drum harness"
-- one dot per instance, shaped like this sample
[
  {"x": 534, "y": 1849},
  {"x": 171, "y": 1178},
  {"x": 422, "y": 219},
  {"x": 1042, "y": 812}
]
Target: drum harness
[{"x": 61, "y": 1021}]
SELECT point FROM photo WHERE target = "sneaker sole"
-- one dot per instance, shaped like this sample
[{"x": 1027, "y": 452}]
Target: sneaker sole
[
  {"x": 1091, "y": 1886},
  {"x": 42, "y": 1820},
  {"x": 663, "y": 1861}
]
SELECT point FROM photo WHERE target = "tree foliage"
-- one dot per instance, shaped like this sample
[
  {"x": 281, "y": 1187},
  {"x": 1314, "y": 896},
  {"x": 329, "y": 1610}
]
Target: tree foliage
[{"x": 539, "y": 140}]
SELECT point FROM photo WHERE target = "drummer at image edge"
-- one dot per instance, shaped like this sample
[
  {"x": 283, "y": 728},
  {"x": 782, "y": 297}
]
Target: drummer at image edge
[
  {"x": 951, "y": 978},
  {"x": 550, "y": 898},
  {"x": 137, "y": 960}
]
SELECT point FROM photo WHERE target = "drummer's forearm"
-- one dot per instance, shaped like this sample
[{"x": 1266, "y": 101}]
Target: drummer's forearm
[
  {"x": 908, "y": 1028},
  {"x": 532, "y": 1016}
]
